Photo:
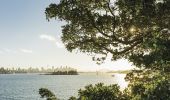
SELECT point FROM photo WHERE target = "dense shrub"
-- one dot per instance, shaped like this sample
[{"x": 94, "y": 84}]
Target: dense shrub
[
  {"x": 45, "y": 93},
  {"x": 100, "y": 92}
]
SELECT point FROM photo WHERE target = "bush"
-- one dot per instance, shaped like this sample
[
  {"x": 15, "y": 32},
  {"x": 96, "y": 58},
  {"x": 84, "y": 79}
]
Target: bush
[
  {"x": 45, "y": 93},
  {"x": 100, "y": 92}
]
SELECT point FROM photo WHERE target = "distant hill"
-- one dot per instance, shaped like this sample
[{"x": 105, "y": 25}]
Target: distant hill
[{"x": 120, "y": 71}]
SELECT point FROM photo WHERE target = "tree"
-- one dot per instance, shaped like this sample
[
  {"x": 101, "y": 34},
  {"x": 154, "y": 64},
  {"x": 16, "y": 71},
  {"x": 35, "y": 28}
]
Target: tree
[
  {"x": 124, "y": 28},
  {"x": 138, "y": 30}
]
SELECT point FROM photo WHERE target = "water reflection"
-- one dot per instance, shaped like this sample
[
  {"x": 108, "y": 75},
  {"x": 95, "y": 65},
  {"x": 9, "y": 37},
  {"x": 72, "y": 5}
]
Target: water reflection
[{"x": 119, "y": 78}]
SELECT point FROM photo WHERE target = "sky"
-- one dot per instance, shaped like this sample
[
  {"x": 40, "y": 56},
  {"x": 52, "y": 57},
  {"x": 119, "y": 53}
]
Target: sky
[{"x": 28, "y": 39}]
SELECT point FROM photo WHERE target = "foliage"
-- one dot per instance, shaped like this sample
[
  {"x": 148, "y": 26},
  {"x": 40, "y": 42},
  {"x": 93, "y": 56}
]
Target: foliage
[
  {"x": 149, "y": 85},
  {"x": 100, "y": 92},
  {"x": 45, "y": 93},
  {"x": 123, "y": 28},
  {"x": 70, "y": 72},
  {"x": 138, "y": 30},
  {"x": 4, "y": 71}
]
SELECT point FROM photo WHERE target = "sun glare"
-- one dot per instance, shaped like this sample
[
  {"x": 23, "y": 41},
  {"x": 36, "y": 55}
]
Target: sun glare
[{"x": 132, "y": 29}]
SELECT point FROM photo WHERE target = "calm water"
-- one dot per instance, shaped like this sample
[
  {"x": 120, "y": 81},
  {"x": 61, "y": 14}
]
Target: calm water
[{"x": 26, "y": 86}]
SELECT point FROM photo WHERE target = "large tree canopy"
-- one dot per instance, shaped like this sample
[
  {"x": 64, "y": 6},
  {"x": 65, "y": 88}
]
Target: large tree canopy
[{"x": 137, "y": 30}]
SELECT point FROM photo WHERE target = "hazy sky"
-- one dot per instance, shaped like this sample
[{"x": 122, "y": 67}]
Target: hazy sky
[{"x": 28, "y": 39}]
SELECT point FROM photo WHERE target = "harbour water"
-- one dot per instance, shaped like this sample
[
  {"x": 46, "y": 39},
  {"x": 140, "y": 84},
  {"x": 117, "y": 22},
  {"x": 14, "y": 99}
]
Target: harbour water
[{"x": 26, "y": 86}]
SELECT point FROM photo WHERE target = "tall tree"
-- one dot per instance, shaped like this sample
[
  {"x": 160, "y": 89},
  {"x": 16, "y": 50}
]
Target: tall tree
[
  {"x": 138, "y": 30},
  {"x": 133, "y": 29}
]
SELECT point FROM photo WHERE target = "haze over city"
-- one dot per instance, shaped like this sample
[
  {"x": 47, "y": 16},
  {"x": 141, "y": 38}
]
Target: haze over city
[{"x": 28, "y": 39}]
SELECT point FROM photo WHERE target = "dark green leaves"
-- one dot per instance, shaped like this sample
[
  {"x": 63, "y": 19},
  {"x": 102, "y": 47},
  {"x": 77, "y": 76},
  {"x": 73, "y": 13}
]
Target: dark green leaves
[
  {"x": 45, "y": 93},
  {"x": 101, "y": 92}
]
